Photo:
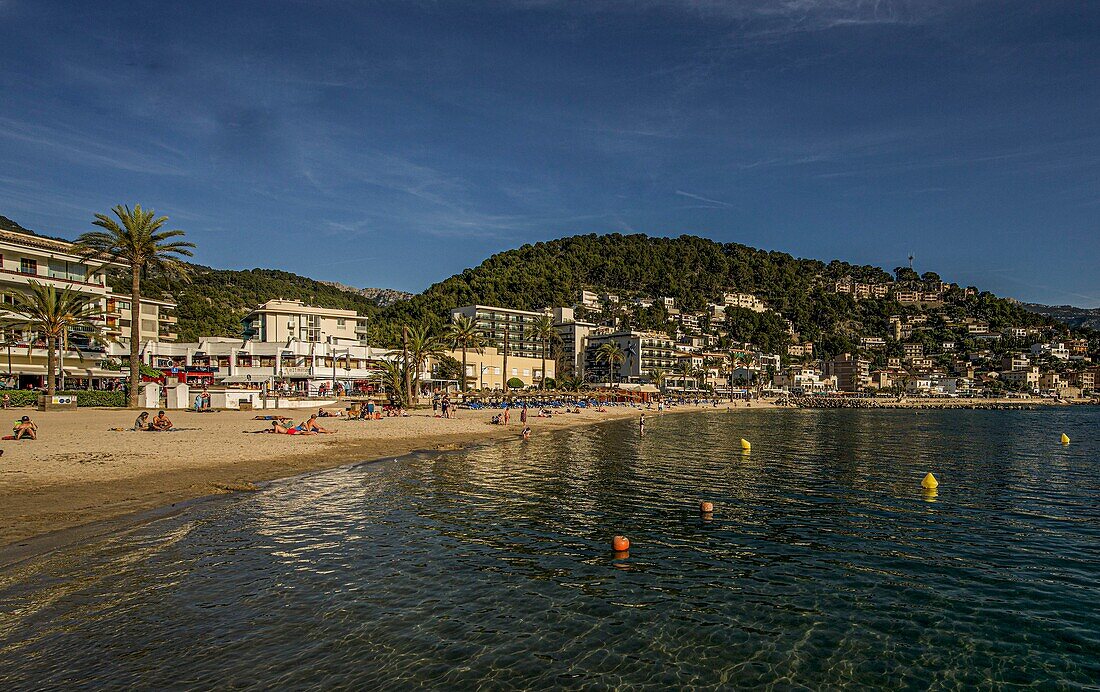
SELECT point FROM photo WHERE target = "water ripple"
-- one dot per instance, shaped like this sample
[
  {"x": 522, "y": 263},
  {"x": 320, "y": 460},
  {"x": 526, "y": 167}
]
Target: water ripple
[{"x": 824, "y": 565}]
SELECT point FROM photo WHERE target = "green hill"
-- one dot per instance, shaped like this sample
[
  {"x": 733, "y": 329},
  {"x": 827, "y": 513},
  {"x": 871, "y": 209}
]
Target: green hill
[
  {"x": 690, "y": 269},
  {"x": 694, "y": 271}
]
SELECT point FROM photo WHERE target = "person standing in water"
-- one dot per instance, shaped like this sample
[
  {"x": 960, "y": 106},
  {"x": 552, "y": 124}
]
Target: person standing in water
[{"x": 641, "y": 425}]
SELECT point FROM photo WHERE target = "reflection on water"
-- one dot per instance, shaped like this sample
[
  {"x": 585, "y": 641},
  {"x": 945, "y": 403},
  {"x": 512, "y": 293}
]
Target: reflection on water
[{"x": 824, "y": 563}]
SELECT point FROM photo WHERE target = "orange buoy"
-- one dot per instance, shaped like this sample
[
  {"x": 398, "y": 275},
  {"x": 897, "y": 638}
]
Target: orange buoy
[
  {"x": 706, "y": 507},
  {"x": 620, "y": 544}
]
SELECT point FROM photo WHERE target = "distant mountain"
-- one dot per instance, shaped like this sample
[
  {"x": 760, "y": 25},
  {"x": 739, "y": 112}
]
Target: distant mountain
[
  {"x": 7, "y": 224},
  {"x": 1075, "y": 317},
  {"x": 382, "y": 297}
]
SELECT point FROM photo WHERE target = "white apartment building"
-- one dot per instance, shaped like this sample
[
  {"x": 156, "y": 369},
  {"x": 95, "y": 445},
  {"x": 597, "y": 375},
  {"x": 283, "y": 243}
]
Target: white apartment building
[
  {"x": 25, "y": 258},
  {"x": 1058, "y": 351},
  {"x": 303, "y": 366},
  {"x": 158, "y": 318},
  {"x": 744, "y": 300},
  {"x": 282, "y": 320}
]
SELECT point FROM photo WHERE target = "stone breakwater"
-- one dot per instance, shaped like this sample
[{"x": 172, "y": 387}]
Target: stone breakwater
[{"x": 835, "y": 402}]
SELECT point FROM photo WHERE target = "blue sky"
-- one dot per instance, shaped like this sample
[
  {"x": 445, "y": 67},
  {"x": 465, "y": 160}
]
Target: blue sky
[{"x": 393, "y": 144}]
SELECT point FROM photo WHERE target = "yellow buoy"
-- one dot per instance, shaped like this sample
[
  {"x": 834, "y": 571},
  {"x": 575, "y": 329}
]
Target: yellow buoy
[
  {"x": 1065, "y": 439},
  {"x": 929, "y": 482},
  {"x": 745, "y": 444}
]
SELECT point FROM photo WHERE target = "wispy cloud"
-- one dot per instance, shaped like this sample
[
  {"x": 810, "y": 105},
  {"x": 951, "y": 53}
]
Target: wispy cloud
[
  {"x": 85, "y": 150},
  {"x": 700, "y": 198}
]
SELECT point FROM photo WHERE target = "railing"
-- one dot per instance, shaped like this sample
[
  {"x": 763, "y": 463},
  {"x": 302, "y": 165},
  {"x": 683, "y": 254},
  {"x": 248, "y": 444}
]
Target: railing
[{"x": 29, "y": 275}]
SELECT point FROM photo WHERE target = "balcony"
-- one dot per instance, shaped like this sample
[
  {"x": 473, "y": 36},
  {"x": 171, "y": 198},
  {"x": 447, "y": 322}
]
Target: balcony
[
  {"x": 168, "y": 319},
  {"x": 24, "y": 278}
]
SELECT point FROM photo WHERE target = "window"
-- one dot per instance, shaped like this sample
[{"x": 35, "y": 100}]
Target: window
[
  {"x": 515, "y": 371},
  {"x": 526, "y": 372},
  {"x": 28, "y": 266},
  {"x": 496, "y": 371},
  {"x": 341, "y": 323}
]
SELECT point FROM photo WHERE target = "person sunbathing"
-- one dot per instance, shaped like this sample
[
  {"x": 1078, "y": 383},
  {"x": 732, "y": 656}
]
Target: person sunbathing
[
  {"x": 25, "y": 429},
  {"x": 161, "y": 423},
  {"x": 312, "y": 426},
  {"x": 278, "y": 428},
  {"x": 322, "y": 413}
]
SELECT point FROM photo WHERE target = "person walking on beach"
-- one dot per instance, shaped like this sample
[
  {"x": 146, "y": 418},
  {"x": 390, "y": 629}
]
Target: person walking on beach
[
  {"x": 641, "y": 425},
  {"x": 506, "y": 414},
  {"x": 523, "y": 414}
]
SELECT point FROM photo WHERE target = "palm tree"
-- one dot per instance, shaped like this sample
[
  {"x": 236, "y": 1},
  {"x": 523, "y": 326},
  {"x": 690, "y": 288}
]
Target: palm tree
[
  {"x": 140, "y": 244},
  {"x": 393, "y": 376},
  {"x": 53, "y": 314},
  {"x": 613, "y": 355},
  {"x": 570, "y": 383},
  {"x": 422, "y": 346},
  {"x": 463, "y": 334},
  {"x": 543, "y": 330},
  {"x": 657, "y": 376},
  {"x": 700, "y": 377},
  {"x": 685, "y": 372}
]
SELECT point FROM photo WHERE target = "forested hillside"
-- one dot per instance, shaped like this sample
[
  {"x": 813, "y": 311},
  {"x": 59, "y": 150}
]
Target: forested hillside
[
  {"x": 693, "y": 271},
  {"x": 690, "y": 269}
]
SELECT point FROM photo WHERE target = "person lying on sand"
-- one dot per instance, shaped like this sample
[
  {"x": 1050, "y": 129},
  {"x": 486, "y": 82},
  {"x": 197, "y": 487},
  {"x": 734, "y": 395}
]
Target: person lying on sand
[
  {"x": 279, "y": 418},
  {"x": 25, "y": 429},
  {"x": 160, "y": 423},
  {"x": 278, "y": 428},
  {"x": 312, "y": 426},
  {"x": 322, "y": 413}
]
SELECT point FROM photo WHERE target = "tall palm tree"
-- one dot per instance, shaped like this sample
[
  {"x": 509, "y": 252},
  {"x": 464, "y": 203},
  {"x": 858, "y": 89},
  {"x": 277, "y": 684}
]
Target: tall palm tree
[
  {"x": 463, "y": 334},
  {"x": 137, "y": 241},
  {"x": 543, "y": 330},
  {"x": 53, "y": 313},
  {"x": 685, "y": 372},
  {"x": 613, "y": 355}
]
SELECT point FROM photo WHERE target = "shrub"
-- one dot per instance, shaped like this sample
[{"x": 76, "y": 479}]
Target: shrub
[
  {"x": 515, "y": 383},
  {"x": 84, "y": 397}
]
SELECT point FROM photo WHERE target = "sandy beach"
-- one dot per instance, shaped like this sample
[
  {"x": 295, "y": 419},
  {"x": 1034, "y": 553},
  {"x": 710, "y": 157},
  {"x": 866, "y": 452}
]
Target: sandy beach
[{"x": 80, "y": 471}]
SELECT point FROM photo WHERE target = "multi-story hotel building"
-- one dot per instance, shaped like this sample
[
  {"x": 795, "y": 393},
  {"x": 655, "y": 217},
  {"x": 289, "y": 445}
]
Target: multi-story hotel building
[
  {"x": 852, "y": 374},
  {"x": 498, "y": 324},
  {"x": 282, "y": 320},
  {"x": 25, "y": 258},
  {"x": 645, "y": 352},
  {"x": 158, "y": 318}
]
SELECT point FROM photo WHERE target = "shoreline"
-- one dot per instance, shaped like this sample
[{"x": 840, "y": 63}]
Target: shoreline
[
  {"x": 57, "y": 490},
  {"x": 82, "y": 478}
]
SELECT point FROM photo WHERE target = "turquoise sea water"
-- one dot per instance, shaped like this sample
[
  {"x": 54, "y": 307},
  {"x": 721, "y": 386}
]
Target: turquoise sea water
[{"x": 824, "y": 565}]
